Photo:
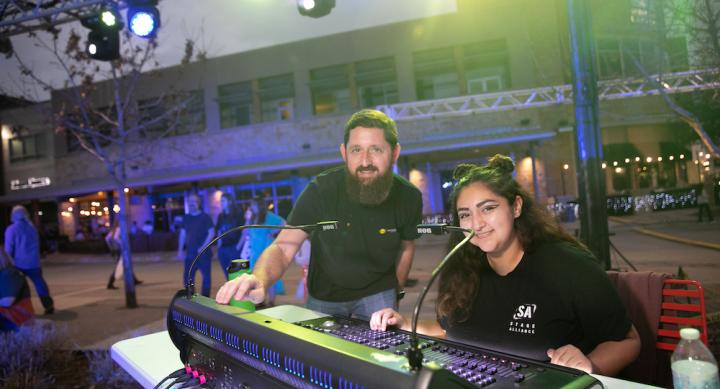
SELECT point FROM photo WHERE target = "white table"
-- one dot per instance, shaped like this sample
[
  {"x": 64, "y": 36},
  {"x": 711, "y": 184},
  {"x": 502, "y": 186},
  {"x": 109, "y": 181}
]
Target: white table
[{"x": 150, "y": 358}]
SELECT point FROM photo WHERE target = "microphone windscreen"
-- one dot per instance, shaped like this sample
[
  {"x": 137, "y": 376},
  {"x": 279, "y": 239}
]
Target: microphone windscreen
[
  {"x": 435, "y": 229},
  {"x": 331, "y": 225}
]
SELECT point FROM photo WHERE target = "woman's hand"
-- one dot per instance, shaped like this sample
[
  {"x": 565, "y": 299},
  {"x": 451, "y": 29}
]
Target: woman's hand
[
  {"x": 380, "y": 320},
  {"x": 570, "y": 356}
]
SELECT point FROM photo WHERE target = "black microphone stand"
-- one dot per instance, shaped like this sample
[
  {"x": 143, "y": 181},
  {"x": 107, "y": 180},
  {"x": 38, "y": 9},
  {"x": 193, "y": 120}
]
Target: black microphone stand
[
  {"x": 414, "y": 353},
  {"x": 190, "y": 285}
]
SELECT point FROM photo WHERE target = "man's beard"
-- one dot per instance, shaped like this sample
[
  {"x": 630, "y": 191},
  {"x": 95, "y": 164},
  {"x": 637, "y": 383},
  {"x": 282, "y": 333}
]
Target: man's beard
[{"x": 371, "y": 192}]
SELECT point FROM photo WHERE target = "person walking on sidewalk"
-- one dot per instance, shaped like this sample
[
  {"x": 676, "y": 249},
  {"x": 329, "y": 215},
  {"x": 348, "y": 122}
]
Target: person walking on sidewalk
[
  {"x": 227, "y": 219},
  {"x": 112, "y": 239},
  {"x": 22, "y": 244},
  {"x": 196, "y": 232},
  {"x": 703, "y": 206}
]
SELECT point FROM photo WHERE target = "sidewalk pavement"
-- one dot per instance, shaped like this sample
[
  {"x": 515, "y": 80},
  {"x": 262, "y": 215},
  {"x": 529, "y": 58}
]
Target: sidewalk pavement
[{"x": 96, "y": 318}]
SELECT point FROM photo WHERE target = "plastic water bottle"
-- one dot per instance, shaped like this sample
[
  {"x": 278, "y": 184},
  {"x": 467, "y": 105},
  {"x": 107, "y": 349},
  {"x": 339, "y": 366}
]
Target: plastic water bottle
[
  {"x": 236, "y": 268},
  {"x": 693, "y": 365}
]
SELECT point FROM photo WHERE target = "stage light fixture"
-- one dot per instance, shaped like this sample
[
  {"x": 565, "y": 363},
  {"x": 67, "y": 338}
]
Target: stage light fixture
[
  {"x": 315, "y": 8},
  {"x": 143, "y": 18},
  {"x": 103, "y": 41}
]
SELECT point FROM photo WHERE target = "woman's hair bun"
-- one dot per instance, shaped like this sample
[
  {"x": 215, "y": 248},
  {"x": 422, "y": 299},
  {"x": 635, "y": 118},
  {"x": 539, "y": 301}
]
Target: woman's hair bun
[
  {"x": 462, "y": 170},
  {"x": 503, "y": 163}
]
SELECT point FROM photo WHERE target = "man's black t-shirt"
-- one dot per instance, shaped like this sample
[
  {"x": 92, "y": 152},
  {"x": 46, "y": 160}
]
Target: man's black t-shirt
[
  {"x": 557, "y": 295},
  {"x": 359, "y": 259}
]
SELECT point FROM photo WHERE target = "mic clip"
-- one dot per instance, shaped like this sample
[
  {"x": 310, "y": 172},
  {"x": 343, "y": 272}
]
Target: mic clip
[{"x": 414, "y": 355}]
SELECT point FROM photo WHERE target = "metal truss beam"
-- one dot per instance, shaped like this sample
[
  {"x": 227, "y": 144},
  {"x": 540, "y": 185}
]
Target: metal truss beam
[
  {"x": 545, "y": 96},
  {"x": 20, "y": 16}
]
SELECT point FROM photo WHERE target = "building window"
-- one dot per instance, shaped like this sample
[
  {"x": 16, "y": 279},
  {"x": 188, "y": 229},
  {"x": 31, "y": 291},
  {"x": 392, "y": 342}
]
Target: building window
[
  {"x": 487, "y": 66},
  {"x": 185, "y": 120},
  {"x": 436, "y": 74},
  {"x": 148, "y": 110},
  {"x": 27, "y": 147},
  {"x": 609, "y": 58},
  {"x": 330, "y": 88},
  {"x": 618, "y": 58},
  {"x": 192, "y": 118},
  {"x": 99, "y": 129},
  {"x": 376, "y": 82},
  {"x": 476, "y": 68},
  {"x": 235, "y": 104},
  {"x": 276, "y": 194},
  {"x": 277, "y": 95},
  {"x": 642, "y": 11},
  {"x": 678, "y": 54}
]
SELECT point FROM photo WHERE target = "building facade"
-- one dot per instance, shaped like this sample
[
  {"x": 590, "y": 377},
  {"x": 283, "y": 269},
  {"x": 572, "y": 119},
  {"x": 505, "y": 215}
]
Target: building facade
[{"x": 492, "y": 77}]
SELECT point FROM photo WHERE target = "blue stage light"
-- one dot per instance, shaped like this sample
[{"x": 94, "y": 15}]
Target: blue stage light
[
  {"x": 143, "y": 18},
  {"x": 142, "y": 24}
]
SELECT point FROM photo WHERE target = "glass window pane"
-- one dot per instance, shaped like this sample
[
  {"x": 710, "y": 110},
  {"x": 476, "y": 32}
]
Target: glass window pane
[
  {"x": 235, "y": 102},
  {"x": 436, "y": 73},
  {"x": 487, "y": 66},
  {"x": 377, "y": 82},
  {"x": 330, "y": 89},
  {"x": 277, "y": 96}
]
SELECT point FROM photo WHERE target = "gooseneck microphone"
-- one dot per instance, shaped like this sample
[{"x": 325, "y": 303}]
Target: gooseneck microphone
[
  {"x": 320, "y": 226},
  {"x": 414, "y": 353}
]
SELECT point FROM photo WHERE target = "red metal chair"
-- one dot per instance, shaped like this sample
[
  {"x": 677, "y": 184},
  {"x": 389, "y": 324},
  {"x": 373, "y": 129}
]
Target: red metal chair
[{"x": 683, "y": 305}]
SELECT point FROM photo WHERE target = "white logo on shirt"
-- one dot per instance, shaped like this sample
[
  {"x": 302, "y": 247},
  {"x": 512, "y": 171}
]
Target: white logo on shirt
[
  {"x": 525, "y": 311},
  {"x": 522, "y": 322}
]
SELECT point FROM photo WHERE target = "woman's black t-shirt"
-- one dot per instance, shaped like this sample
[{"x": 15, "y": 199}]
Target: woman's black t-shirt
[{"x": 557, "y": 295}]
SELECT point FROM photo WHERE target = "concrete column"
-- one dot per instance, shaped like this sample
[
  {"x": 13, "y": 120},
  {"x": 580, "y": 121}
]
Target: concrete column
[
  {"x": 405, "y": 78},
  {"x": 303, "y": 97}
]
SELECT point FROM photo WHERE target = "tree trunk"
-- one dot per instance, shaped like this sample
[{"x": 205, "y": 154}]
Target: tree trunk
[{"x": 128, "y": 274}]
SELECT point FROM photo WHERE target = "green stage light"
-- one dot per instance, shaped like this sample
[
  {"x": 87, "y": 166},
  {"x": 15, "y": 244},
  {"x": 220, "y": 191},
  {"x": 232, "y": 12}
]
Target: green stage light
[{"x": 103, "y": 41}]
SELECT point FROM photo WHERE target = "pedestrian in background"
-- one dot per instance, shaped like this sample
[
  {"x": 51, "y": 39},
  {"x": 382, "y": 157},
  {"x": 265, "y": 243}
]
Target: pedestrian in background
[
  {"x": 703, "y": 206},
  {"x": 229, "y": 218},
  {"x": 114, "y": 243},
  {"x": 22, "y": 244},
  {"x": 196, "y": 232}
]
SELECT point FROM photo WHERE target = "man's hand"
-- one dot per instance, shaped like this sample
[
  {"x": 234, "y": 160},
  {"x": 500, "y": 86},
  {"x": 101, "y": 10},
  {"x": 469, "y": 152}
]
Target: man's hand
[
  {"x": 246, "y": 287},
  {"x": 180, "y": 255},
  {"x": 570, "y": 356},
  {"x": 380, "y": 320}
]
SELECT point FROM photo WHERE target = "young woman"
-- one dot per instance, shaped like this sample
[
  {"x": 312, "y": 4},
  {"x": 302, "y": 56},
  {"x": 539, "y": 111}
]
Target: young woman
[
  {"x": 258, "y": 239},
  {"x": 523, "y": 285}
]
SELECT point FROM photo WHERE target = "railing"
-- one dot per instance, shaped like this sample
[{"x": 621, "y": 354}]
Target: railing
[{"x": 680, "y": 82}]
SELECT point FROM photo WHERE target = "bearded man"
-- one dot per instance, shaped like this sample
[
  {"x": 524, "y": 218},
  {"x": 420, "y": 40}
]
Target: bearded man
[{"x": 359, "y": 268}]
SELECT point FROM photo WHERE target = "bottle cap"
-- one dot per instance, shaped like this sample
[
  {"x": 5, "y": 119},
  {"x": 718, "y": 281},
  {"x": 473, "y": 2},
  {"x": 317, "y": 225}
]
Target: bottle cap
[{"x": 690, "y": 333}]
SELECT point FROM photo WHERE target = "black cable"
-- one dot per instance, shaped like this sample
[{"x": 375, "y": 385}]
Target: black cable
[
  {"x": 180, "y": 381},
  {"x": 175, "y": 374},
  {"x": 192, "y": 382}
]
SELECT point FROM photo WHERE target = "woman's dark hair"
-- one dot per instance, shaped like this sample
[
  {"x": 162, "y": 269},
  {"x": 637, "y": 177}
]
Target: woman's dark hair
[
  {"x": 459, "y": 280},
  {"x": 262, "y": 210},
  {"x": 231, "y": 201}
]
